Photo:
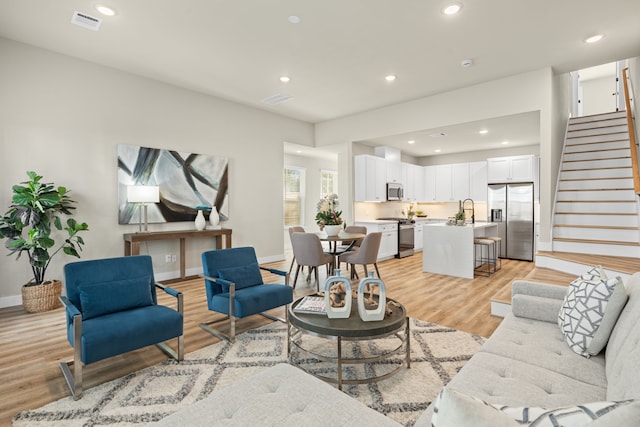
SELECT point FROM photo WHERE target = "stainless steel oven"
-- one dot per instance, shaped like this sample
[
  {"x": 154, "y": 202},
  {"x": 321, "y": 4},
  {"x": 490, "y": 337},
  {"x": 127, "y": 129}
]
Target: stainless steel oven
[
  {"x": 406, "y": 229},
  {"x": 405, "y": 239}
]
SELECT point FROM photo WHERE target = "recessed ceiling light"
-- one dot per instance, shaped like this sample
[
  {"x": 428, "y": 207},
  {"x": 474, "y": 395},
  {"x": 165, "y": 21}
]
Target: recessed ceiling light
[
  {"x": 466, "y": 63},
  {"x": 483, "y": 132},
  {"x": 390, "y": 78},
  {"x": 105, "y": 10},
  {"x": 452, "y": 9},
  {"x": 411, "y": 141},
  {"x": 505, "y": 142},
  {"x": 594, "y": 39},
  {"x": 285, "y": 79},
  {"x": 437, "y": 150},
  {"x": 293, "y": 19},
  {"x": 298, "y": 151}
]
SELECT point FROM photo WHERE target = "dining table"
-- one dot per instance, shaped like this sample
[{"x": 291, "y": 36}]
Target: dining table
[{"x": 342, "y": 237}]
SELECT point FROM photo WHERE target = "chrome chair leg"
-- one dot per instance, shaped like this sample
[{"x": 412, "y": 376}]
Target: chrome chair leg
[{"x": 74, "y": 379}]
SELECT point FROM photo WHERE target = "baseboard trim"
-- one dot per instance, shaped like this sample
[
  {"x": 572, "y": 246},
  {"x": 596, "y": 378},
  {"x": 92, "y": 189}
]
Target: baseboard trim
[{"x": 10, "y": 301}]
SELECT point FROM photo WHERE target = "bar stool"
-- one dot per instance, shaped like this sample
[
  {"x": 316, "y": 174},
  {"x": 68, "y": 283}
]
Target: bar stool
[
  {"x": 498, "y": 241},
  {"x": 489, "y": 245}
]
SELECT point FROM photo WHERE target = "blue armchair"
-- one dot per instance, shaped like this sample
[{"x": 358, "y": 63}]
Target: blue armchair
[
  {"x": 234, "y": 287},
  {"x": 111, "y": 308}
]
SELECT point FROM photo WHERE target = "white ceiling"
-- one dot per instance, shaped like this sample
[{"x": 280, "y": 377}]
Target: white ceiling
[
  {"x": 508, "y": 131},
  {"x": 340, "y": 52}
]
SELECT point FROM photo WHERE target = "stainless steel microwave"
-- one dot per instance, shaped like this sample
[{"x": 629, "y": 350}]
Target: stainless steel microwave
[{"x": 394, "y": 191}]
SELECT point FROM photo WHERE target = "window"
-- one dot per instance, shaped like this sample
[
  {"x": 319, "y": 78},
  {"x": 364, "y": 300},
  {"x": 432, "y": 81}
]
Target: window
[
  {"x": 293, "y": 196},
  {"x": 328, "y": 182}
]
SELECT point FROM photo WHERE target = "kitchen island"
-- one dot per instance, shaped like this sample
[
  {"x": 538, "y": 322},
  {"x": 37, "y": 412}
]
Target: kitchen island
[{"x": 449, "y": 249}]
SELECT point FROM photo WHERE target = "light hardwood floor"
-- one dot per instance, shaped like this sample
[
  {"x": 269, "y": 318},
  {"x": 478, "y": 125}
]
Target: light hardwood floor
[{"x": 32, "y": 345}]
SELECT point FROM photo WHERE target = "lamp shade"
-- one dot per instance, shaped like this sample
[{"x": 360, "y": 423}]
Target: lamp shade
[{"x": 143, "y": 194}]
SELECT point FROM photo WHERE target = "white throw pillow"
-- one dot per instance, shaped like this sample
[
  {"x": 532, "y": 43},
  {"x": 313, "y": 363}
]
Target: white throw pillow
[
  {"x": 590, "y": 311},
  {"x": 455, "y": 409},
  {"x": 593, "y": 274}
]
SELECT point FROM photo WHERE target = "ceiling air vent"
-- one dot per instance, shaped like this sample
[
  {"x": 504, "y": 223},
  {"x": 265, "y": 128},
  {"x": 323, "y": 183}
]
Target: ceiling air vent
[
  {"x": 86, "y": 21},
  {"x": 276, "y": 99}
]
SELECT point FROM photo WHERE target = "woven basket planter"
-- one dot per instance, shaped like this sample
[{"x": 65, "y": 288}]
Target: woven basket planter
[{"x": 43, "y": 297}]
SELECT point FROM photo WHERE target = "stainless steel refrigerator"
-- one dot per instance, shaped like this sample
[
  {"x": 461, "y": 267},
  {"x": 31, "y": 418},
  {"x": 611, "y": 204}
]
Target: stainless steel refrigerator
[{"x": 511, "y": 207}]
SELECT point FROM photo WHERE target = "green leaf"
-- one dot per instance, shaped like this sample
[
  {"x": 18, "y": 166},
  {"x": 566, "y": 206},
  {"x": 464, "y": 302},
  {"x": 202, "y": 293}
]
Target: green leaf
[
  {"x": 46, "y": 242},
  {"x": 71, "y": 251}
]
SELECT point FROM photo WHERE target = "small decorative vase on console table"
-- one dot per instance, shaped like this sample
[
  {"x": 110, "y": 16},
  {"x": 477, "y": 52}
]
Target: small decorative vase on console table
[{"x": 200, "y": 222}]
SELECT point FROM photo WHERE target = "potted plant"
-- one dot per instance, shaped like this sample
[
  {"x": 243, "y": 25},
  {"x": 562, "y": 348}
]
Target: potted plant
[
  {"x": 36, "y": 209},
  {"x": 328, "y": 216},
  {"x": 460, "y": 217}
]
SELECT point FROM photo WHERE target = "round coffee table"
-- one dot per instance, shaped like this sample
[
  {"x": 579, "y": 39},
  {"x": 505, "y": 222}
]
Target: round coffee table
[{"x": 350, "y": 329}]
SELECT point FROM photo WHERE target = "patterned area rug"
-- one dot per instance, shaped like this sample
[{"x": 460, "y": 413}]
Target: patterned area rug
[{"x": 437, "y": 354}]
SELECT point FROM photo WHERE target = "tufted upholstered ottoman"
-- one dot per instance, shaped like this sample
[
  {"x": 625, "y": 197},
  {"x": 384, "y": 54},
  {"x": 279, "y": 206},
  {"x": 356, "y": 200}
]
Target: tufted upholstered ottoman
[{"x": 281, "y": 395}]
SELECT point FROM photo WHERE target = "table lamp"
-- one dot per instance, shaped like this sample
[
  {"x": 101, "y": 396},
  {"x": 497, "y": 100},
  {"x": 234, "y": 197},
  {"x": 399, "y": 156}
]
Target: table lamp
[{"x": 142, "y": 195}]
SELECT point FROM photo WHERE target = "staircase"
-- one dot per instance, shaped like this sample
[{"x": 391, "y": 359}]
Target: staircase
[
  {"x": 596, "y": 219},
  {"x": 596, "y": 209}
]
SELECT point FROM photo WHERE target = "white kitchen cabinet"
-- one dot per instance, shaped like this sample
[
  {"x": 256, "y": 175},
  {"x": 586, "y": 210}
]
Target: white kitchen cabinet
[
  {"x": 370, "y": 178},
  {"x": 510, "y": 169},
  {"x": 418, "y": 242},
  {"x": 419, "y": 182},
  {"x": 413, "y": 181},
  {"x": 459, "y": 181},
  {"x": 443, "y": 183},
  {"x": 478, "y": 181},
  {"x": 408, "y": 181},
  {"x": 452, "y": 182},
  {"x": 389, "y": 242},
  {"x": 393, "y": 166},
  {"x": 393, "y": 171},
  {"x": 429, "y": 181}
]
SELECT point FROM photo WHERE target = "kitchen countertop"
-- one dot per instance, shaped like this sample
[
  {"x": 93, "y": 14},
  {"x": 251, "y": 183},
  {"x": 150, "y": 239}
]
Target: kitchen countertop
[
  {"x": 376, "y": 221},
  {"x": 476, "y": 225}
]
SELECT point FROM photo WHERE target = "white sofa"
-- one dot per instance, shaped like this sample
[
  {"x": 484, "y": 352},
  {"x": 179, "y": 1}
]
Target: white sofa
[{"x": 526, "y": 362}]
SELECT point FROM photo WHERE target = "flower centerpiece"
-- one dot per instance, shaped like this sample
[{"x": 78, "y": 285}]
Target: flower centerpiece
[
  {"x": 328, "y": 216},
  {"x": 410, "y": 213}
]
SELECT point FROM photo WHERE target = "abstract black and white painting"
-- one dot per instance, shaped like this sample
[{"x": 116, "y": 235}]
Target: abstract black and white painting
[{"x": 186, "y": 180}]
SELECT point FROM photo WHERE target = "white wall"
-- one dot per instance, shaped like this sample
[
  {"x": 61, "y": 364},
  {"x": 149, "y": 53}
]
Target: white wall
[
  {"x": 63, "y": 118},
  {"x": 597, "y": 95}
]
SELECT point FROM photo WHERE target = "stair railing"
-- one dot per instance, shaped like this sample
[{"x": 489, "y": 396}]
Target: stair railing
[
  {"x": 555, "y": 197},
  {"x": 632, "y": 133}
]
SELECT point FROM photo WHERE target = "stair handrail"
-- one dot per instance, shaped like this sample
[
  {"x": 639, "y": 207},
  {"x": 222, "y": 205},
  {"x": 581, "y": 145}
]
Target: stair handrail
[
  {"x": 632, "y": 132},
  {"x": 555, "y": 196}
]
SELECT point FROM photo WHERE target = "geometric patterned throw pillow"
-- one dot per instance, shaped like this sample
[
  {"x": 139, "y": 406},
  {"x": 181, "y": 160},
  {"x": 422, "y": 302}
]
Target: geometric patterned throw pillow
[
  {"x": 590, "y": 310},
  {"x": 455, "y": 409},
  {"x": 592, "y": 274},
  {"x": 570, "y": 416}
]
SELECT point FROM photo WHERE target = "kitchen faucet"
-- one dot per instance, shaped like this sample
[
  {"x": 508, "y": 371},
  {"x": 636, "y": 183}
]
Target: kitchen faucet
[{"x": 473, "y": 210}]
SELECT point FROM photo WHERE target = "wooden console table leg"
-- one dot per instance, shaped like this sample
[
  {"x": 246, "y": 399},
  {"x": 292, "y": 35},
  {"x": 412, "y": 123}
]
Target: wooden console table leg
[
  {"x": 183, "y": 255},
  {"x": 131, "y": 248}
]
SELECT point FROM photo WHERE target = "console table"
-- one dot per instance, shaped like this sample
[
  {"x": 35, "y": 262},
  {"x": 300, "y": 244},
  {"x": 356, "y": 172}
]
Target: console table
[{"x": 132, "y": 241}]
